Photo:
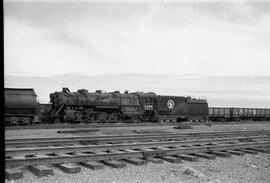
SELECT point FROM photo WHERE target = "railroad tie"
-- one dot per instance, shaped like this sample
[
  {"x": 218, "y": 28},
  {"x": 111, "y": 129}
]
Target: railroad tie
[
  {"x": 41, "y": 170},
  {"x": 148, "y": 153},
  {"x": 136, "y": 161},
  {"x": 69, "y": 168},
  {"x": 248, "y": 151},
  {"x": 212, "y": 143},
  {"x": 147, "y": 149},
  {"x": 62, "y": 154},
  {"x": 263, "y": 150},
  {"x": 130, "y": 150},
  {"x": 162, "y": 148},
  {"x": 155, "y": 160},
  {"x": 267, "y": 150},
  {"x": 17, "y": 157},
  {"x": 239, "y": 153},
  {"x": 114, "y": 164},
  {"x": 41, "y": 155},
  {"x": 98, "y": 152},
  {"x": 171, "y": 159},
  {"x": 187, "y": 157},
  {"x": 80, "y": 154},
  {"x": 13, "y": 174},
  {"x": 94, "y": 165},
  {"x": 221, "y": 154},
  {"x": 173, "y": 147},
  {"x": 204, "y": 155}
]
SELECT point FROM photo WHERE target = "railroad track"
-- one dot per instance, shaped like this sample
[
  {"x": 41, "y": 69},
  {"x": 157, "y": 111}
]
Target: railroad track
[
  {"x": 123, "y": 146},
  {"x": 102, "y": 125},
  {"x": 69, "y": 158},
  {"x": 125, "y": 138}
]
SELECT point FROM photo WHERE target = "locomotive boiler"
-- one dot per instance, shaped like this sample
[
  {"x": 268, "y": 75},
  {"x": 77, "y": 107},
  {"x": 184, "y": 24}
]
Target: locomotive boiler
[{"x": 84, "y": 106}]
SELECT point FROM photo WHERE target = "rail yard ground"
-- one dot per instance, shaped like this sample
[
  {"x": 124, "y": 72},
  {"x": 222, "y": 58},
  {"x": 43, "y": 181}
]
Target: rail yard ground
[
  {"x": 247, "y": 168},
  {"x": 115, "y": 130}
]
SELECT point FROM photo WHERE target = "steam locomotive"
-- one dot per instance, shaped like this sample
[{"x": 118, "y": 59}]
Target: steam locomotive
[{"x": 93, "y": 107}]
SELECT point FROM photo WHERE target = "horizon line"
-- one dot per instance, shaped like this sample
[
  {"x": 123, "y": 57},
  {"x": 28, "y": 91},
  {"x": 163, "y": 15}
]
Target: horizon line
[{"x": 142, "y": 74}]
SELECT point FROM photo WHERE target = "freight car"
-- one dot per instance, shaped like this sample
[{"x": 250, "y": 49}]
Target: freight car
[
  {"x": 21, "y": 106},
  {"x": 220, "y": 114},
  {"x": 238, "y": 114}
]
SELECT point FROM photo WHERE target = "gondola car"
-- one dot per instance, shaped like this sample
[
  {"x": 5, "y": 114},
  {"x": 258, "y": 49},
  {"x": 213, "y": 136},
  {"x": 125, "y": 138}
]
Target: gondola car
[{"x": 238, "y": 114}]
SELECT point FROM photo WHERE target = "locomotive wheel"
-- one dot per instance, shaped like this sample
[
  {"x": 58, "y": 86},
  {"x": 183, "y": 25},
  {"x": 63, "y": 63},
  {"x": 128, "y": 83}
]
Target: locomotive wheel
[
  {"x": 93, "y": 119},
  {"x": 26, "y": 121},
  {"x": 14, "y": 121},
  {"x": 136, "y": 119},
  {"x": 56, "y": 121},
  {"x": 103, "y": 117},
  {"x": 161, "y": 120},
  {"x": 113, "y": 117}
]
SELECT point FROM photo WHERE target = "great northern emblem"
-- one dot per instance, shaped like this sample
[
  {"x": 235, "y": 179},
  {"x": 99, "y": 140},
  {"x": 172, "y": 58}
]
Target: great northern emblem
[{"x": 170, "y": 104}]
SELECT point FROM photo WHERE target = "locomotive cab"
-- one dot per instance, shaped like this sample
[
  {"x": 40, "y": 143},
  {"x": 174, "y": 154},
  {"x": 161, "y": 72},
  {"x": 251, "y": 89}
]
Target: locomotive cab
[{"x": 148, "y": 105}]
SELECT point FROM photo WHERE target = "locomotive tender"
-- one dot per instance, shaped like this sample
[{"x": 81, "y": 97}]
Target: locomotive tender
[{"x": 84, "y": 106}]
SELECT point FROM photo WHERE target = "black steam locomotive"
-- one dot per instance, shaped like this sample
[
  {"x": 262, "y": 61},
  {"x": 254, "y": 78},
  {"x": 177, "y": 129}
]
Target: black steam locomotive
[{"x": 94, "y": 107}]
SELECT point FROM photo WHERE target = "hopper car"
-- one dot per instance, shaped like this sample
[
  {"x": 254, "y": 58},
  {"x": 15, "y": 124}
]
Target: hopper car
[{"x": 238, "y": 114}]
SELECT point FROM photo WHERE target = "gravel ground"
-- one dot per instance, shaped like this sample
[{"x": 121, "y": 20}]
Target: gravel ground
[
  {"x": 245, "y": 169},
  {"x": 102, "y": 125},
  {"x": 249, "y": 168},
  {"x": 28, "y": 133}
]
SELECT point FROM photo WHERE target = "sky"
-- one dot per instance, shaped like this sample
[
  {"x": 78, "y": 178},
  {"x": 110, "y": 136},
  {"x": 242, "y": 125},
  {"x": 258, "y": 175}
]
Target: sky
[
  {"x": 229, "y": 38},
  {"x": 219, "y": 50},
  {"x": 227, "y": 91}
]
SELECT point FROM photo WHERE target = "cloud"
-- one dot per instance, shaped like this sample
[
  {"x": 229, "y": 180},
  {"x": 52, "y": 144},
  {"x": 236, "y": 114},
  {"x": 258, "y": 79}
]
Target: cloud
[{"x": 208, "y": 38}]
